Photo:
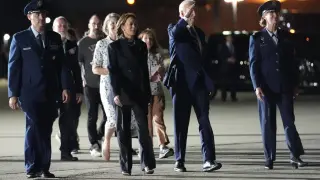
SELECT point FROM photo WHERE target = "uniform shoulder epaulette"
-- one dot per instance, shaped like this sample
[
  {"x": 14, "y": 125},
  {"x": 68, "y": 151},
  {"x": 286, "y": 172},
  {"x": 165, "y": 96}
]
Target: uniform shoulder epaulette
[
  {"x": 256, "y": 35},
  {"x": 21, "y": 34}
]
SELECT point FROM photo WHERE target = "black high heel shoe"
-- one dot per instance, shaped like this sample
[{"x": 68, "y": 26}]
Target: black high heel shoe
[
  {"x": 268, "y": 165},
  {"x": 125, "y": 173},
  {"x": 297, "y": 162}
]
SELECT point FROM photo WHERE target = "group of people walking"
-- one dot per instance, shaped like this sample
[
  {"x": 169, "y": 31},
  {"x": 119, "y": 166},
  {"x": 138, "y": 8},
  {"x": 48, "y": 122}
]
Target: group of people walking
[{"x": 122, "y": 72}]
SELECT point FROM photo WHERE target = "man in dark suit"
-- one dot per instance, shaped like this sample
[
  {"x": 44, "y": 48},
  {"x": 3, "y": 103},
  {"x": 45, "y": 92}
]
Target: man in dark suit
[
  {"x": 69, "y": 113},
  {"x": 274, "y": 75},
  {"x": 192, "y": 87},
  {"x": 37, "y": 79},
  {"x": 228, "y": 68}
]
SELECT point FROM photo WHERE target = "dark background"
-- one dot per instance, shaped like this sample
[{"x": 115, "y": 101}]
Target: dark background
[{"x": 214, "y": 16}]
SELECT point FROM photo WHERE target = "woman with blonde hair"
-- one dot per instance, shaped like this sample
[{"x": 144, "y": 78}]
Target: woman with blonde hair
[
  {"x": 157, "y": 104},
  {"x": 99, "y": 67}
]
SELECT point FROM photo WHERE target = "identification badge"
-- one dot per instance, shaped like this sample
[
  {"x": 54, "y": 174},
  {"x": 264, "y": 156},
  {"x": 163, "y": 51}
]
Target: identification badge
[{"x": 27, "y": 48}]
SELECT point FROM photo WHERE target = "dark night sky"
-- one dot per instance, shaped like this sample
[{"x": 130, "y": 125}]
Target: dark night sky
[
  {"x": 154, "y": 13},
  {"x": 77, "y": 11}
]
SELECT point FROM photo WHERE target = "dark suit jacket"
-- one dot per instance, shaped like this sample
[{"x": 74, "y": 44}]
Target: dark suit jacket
[
  {"x": 170, "y": 78},
  {"x": 223, "y": 55},
  {"x": 129, "y": 71},
  {"x": 35, "y": 75},
  {"x": 273, "y": 66},
  {"x": 71, "y": 52},
  {"x": 185, "y": 50}
]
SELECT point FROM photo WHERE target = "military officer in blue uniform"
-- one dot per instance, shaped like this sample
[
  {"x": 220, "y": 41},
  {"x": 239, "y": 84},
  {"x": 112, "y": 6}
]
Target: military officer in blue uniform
[
  {"x": 274, "y": 75},
  {"x": 37, "y": 80}
]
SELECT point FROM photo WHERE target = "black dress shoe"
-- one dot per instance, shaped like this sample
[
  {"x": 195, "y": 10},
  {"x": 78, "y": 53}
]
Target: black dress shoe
[
  {"x": 179, "y": 167},
  {"x": 33, "y": 175},
  {"x": 297, "y": 162},
  {"x": 68, "y": 158},
  {"x": 47, "y": 175},
  {"x": 268, "y": 165}
]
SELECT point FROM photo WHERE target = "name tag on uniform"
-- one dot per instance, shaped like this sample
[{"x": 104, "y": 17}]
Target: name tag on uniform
[
  {"x": 72, "y": 51},
  {"x": 54, "y": 47},
  {"x": 27, "y": 48}
]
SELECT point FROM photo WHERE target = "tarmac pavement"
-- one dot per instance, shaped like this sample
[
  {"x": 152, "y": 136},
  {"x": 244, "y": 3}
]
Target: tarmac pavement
[{"x": 237, "y": 137}]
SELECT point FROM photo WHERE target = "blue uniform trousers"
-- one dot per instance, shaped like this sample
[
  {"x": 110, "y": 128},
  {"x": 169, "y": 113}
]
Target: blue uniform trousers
[
  {"x": 39, "y": 121},
  {"x": 267, "y": 114}
]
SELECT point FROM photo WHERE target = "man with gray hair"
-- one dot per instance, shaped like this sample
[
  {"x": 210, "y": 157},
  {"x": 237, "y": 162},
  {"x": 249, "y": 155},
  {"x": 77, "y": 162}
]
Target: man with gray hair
[
  {"x": 192, "y": 87},
  {"x": 69, "y": 113}
]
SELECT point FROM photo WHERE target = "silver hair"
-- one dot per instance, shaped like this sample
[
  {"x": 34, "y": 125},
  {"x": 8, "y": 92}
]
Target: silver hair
[
  {"x": 107, "y": 20},
  {"x": 63, "y": 18},
  {"x": 184, "y": 3}
]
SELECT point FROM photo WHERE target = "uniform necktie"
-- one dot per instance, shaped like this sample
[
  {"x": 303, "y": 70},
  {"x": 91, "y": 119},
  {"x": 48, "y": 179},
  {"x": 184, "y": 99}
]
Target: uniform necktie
[
  {"x": 40, "y": 42},
  {"x": 275, "y": 38}
]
